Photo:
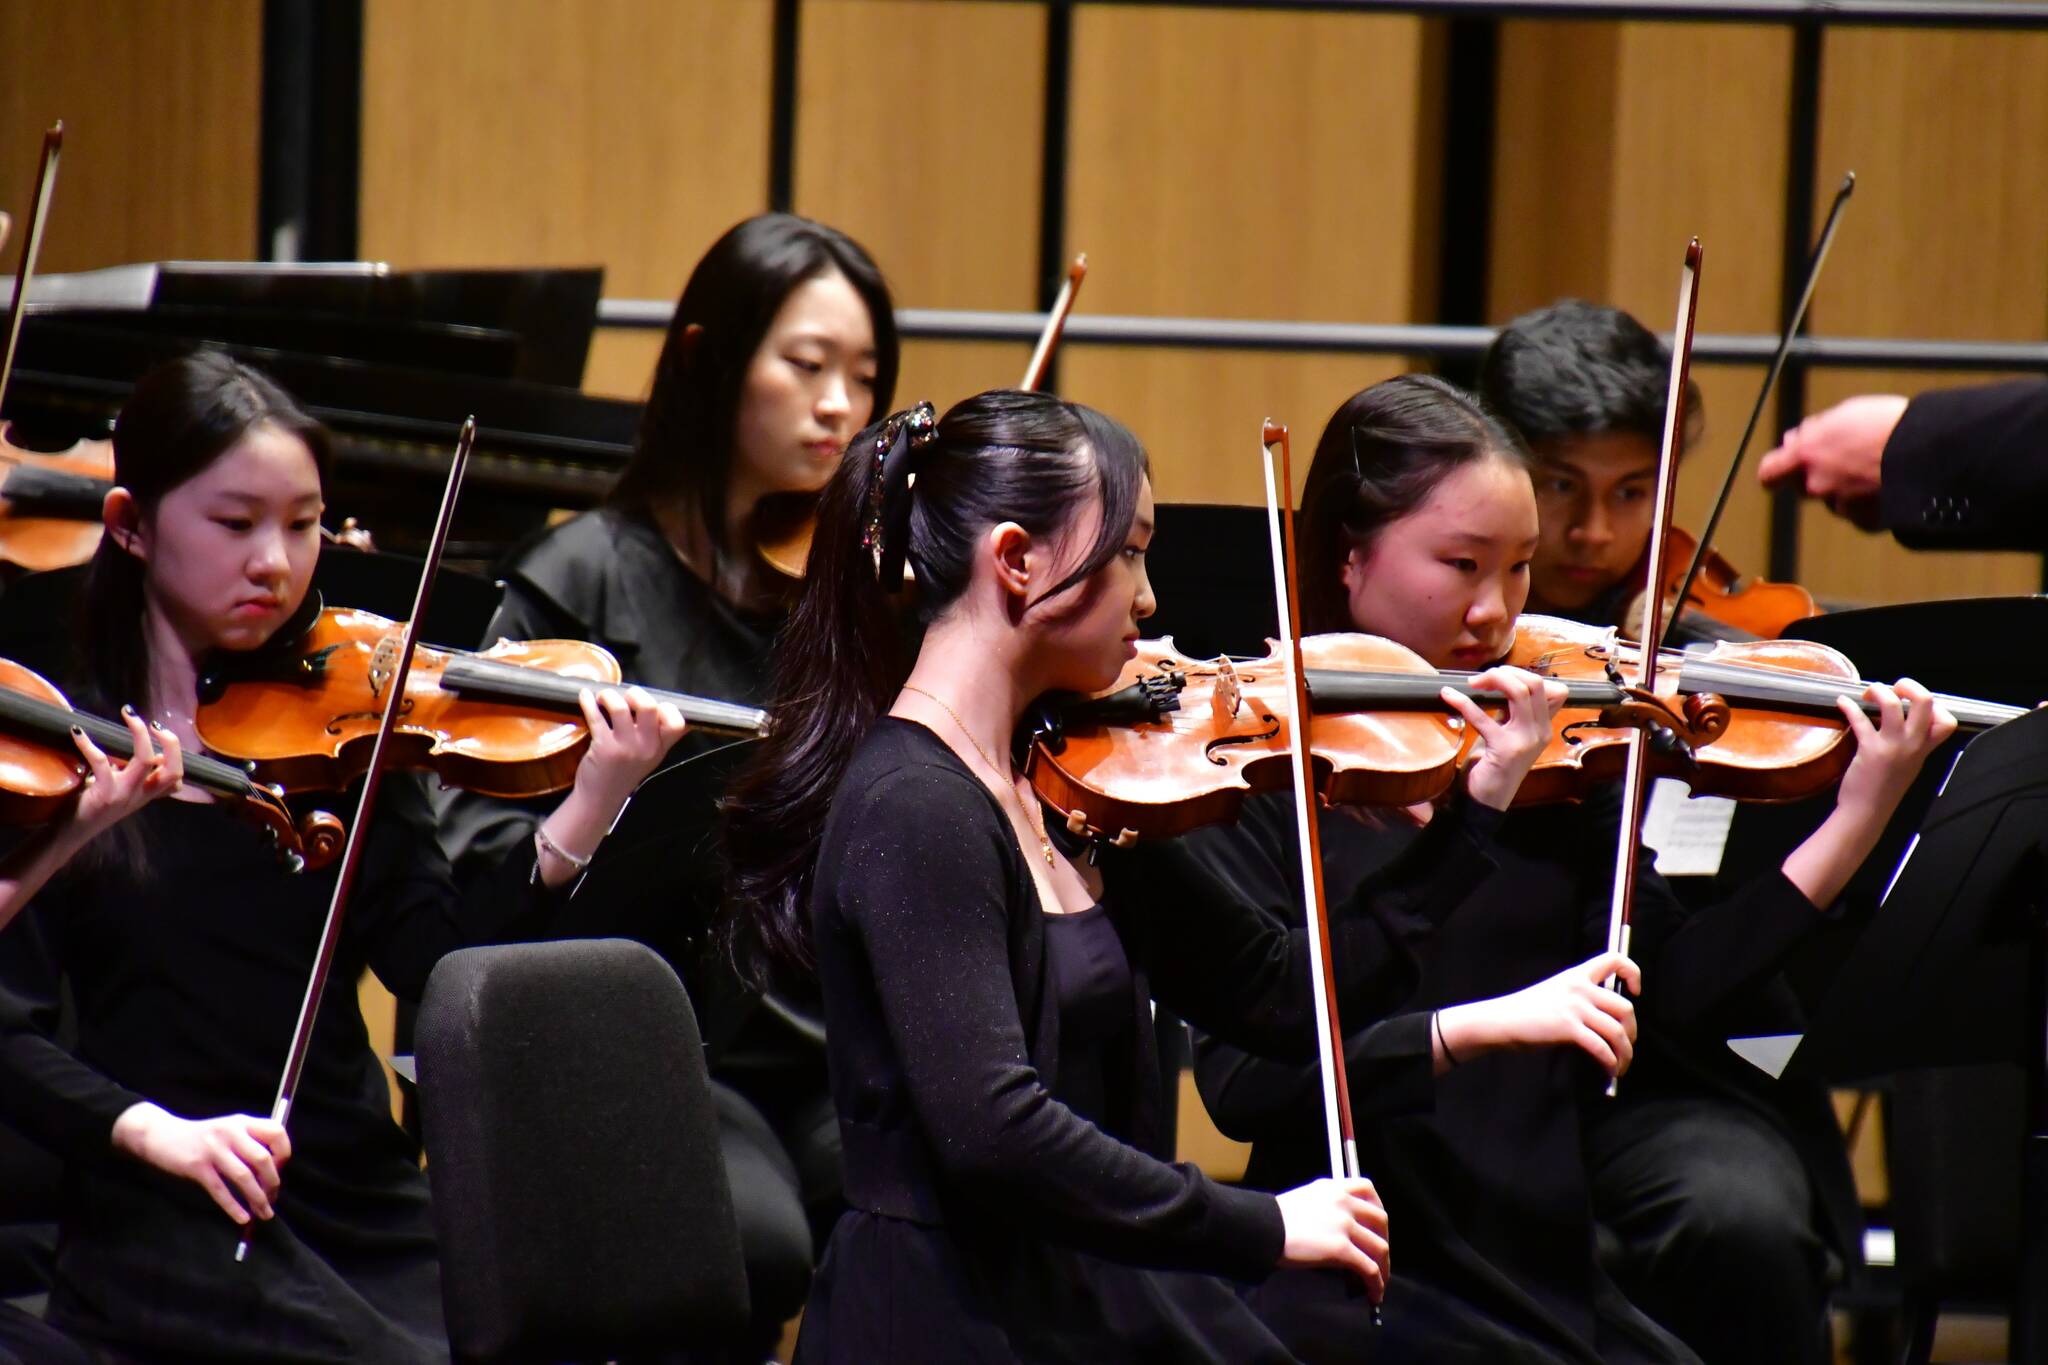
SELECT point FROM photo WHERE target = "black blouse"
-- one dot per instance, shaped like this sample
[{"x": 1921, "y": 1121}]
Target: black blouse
[
  {"x": 944, "y": 1033},
  {"x": 188, "y": 981},
  {"x": 1489, "y": 1188}
]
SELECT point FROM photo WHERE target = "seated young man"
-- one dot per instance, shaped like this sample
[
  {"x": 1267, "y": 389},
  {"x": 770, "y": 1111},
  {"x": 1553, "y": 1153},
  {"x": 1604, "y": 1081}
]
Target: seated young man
[
  {"x": 1584, "y": 386},
  {"x": 1703, "y": 1172}
]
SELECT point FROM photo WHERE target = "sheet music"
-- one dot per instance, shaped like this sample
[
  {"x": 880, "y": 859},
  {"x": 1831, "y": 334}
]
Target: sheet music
[{"x": 1689, "y": 833}]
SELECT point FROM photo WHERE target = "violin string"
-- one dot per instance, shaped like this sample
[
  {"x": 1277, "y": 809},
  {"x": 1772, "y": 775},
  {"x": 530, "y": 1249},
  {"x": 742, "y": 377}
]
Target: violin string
[{"x": 54, "y": 722}]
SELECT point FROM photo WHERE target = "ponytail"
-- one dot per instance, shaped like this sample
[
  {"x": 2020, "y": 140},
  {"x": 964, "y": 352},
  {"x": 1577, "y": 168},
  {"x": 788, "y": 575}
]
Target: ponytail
[{"x": 909, "y": 491}]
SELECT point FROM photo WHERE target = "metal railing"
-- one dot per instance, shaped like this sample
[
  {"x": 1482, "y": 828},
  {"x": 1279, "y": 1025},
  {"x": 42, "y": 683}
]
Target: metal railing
[{"x": 1404, "y": 339}]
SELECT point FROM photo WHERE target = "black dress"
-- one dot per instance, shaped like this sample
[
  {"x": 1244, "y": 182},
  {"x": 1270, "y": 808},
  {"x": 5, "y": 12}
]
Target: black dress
[
  {"x": 187, "y": 986},
  {"x": 1488, "y": 1195},
  {"x": 610, "y": 576},
  {"x": 990, "y": 1220}
]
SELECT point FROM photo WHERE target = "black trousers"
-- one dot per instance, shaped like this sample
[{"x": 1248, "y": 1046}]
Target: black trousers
[
  {"x": 1714, "y": 1228},
  {"x": 24, "y": 1340}
]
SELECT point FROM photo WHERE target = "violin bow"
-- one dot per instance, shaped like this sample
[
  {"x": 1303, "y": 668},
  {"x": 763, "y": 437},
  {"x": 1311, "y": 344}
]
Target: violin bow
[
  {"x": 373, "y": 780},
  {"x": 31, "y": 246},
  {"x": 1055, "y": 324},
  {"x": 1792, "y": 326},
  {"x": 1286, "y": 596},
  {"x": 1622, "y": 905}
]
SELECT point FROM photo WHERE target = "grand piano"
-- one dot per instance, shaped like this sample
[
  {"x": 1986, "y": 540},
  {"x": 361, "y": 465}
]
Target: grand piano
[{"x": 392, "y": 361}]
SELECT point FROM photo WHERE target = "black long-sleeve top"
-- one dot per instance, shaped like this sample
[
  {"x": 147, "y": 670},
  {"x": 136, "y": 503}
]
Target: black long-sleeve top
[
  {"x": 188, "y": 981},
  {"x": 943, "y": 1035},
  {"x": 610, "y": 576},
  {"x": 1488, "y": 1190}
]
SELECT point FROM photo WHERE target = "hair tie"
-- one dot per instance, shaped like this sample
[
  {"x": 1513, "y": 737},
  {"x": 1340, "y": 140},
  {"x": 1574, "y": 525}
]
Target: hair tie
[{"x": 889, "y": 490}]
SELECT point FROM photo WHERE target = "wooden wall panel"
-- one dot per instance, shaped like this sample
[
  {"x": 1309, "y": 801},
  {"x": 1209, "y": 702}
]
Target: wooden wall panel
[
  {"x": 1949, "y": 135},
  {"x": 1553, "y": 173},
  {"x": 918, "y": 132},
  {"x": 1198, "y": 412},
  {"x": 1240, "y": 164},
  {"x": 919, "y": 129},
  {"x": 161, "y": 102},
  {"x": 621, "y": 133},
  {"x": 1620, "y": 141}
]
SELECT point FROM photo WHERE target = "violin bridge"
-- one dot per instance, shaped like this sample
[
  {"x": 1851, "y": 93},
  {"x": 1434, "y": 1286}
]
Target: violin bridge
[
  {"x": 1227, "y": 697},
  {"x": 383, "y": 664}
]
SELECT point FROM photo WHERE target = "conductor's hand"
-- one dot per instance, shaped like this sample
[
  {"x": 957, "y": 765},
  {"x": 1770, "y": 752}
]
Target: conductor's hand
[
  {"x": 1338, "y": 1223},
  {"x": 235, "y": 1158},
  {"x": 1572, "y": 1009},
  {"x": 1838, "y": 456},
  {"x": 113, "y": 791},
  {"x": 630, "y": 733},
  {"x": 1510, "y": 746}
]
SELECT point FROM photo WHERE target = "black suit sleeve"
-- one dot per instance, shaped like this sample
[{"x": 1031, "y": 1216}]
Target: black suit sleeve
[{"x": 1967, "y": 469}]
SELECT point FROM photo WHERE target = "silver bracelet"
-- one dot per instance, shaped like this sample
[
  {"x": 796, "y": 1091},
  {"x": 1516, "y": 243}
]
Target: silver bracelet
[{"x": 547, "y": 845}]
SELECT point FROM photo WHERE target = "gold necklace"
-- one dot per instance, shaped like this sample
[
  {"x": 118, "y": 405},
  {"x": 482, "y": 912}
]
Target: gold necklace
[{"x": 1036, "y": 827}]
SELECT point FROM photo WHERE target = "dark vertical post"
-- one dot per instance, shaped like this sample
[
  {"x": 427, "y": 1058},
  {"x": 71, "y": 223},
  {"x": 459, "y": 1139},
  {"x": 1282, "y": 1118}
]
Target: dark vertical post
[
  {"x": 311, "y": 139},
  {"x": 1052, "y": 165},
  {"x": 782, "y": 105},
  {"x": 1470, "y": 123},
  {"x": 1801, "y": 155}
]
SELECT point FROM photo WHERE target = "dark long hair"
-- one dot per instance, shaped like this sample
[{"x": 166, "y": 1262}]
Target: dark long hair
[
  {"x": 1001, "y": 456},
  {"x": 182, "y": 416},
  {"x": 1381, "y": 456},
  {"x": 1582, "y": 369},
  {"x": 684, "y": 447}
]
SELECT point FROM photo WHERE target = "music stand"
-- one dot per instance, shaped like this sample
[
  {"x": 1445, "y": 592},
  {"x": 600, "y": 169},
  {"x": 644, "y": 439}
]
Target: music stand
[
  {"x": 658, "y": 875},
  {"x": 1953, "y": 968}
]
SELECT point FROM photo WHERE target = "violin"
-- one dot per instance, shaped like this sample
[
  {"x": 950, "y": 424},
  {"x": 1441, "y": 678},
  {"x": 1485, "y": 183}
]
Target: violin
[
  {"x": 504, "y": 721},
  {"x": 50, "y": 502},
  {"x": 1722, "y": 602},
  {"x": 1785, "y": 738},
  {"x": 1179, "y": 743},
  {"x": 784, "y": 544},
  {"x": 41, "y": 770}
]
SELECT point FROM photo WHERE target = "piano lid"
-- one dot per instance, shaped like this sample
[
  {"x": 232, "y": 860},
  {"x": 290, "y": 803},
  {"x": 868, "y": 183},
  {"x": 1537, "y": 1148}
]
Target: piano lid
[{"x": 527, "y": 324}]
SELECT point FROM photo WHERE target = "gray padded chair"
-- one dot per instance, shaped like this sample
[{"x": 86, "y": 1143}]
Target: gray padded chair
[{"x": 572, "y": 1146}]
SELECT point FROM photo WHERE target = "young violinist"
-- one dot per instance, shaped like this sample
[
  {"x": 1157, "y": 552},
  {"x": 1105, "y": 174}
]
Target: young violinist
[
  {"x": 987, "y": 999},
  {"x": 1420, "y": 524},
  {"x": 783, "y": 346},
  {"x": 187, "y": 942},
  {"x": 1583, "y": 386}
]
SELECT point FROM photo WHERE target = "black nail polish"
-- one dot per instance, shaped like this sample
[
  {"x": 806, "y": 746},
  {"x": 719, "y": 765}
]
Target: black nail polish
[
  {"x": 77, "y": 731},
  {"x": 127, "y": 710}
]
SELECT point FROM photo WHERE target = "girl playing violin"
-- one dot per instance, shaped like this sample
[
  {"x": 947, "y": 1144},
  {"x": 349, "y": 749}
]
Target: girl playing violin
[
  {"x": 1420, "y": 524},
  {"x": 993, "y": 1061},
  {"x": 187, "y": 942},
  {"x": 782, "y": 346}
]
